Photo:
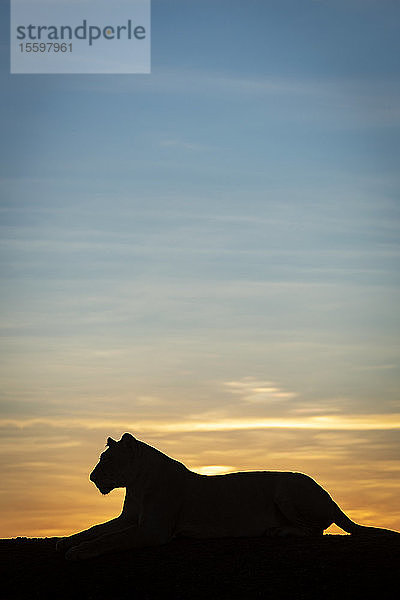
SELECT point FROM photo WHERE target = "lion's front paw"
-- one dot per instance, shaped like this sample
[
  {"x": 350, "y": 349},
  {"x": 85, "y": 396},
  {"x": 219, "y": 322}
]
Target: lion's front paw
[{"x": 82, "y": 552}]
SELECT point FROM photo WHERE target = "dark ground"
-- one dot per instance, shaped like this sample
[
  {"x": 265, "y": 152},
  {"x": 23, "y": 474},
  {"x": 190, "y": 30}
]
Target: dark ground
[{"x": 332, "y": 566}]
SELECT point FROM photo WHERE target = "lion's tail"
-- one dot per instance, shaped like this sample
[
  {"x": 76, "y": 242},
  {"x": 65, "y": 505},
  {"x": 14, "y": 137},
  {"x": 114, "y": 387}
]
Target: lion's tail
[{"x": 349, "y": 526}]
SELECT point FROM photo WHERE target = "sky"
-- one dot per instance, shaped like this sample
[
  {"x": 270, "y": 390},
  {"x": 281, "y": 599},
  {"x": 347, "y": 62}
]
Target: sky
[{"x": 205, "y": 256}]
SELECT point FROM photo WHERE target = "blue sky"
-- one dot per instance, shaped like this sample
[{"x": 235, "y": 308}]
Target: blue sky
[{"x": 216, "y": 240}]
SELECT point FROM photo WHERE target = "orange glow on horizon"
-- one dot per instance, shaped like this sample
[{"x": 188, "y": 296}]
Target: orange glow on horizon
[{"x": 49, "y": 493}]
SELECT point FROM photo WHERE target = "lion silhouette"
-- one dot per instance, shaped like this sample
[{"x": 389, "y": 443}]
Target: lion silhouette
[{"x": 165, "y": 500}]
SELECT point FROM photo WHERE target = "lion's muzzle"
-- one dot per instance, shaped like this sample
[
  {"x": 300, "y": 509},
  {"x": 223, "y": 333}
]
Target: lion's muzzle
[{"x": 102, "y": 483}]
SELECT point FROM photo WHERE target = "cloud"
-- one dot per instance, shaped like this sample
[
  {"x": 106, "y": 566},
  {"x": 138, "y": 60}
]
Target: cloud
[
  {"x": 325, "y": 422},
  {"x": 350, "y": 102},
  {"x": 252, "y": 390}
]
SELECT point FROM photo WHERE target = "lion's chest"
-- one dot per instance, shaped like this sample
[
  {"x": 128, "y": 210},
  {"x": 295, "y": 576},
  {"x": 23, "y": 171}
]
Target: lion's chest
[{"x": 240, "y": 504}]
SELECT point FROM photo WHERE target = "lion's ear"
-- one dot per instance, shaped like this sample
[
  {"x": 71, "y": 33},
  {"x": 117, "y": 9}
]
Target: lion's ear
[
  {"x": 110, "y": 442},
  {"x": 128, "y": 439}
]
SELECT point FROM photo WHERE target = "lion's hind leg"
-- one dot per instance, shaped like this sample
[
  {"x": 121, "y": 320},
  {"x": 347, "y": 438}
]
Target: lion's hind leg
[{"x": 304, "y": 505}]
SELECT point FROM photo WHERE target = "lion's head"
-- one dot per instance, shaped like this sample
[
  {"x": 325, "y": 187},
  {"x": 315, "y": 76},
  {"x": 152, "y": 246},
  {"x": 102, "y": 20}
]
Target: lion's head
[{"x": 115, "y": 465}]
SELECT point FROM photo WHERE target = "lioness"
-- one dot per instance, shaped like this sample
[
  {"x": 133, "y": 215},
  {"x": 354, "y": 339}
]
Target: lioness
[{"x": 165, "y": 500}]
